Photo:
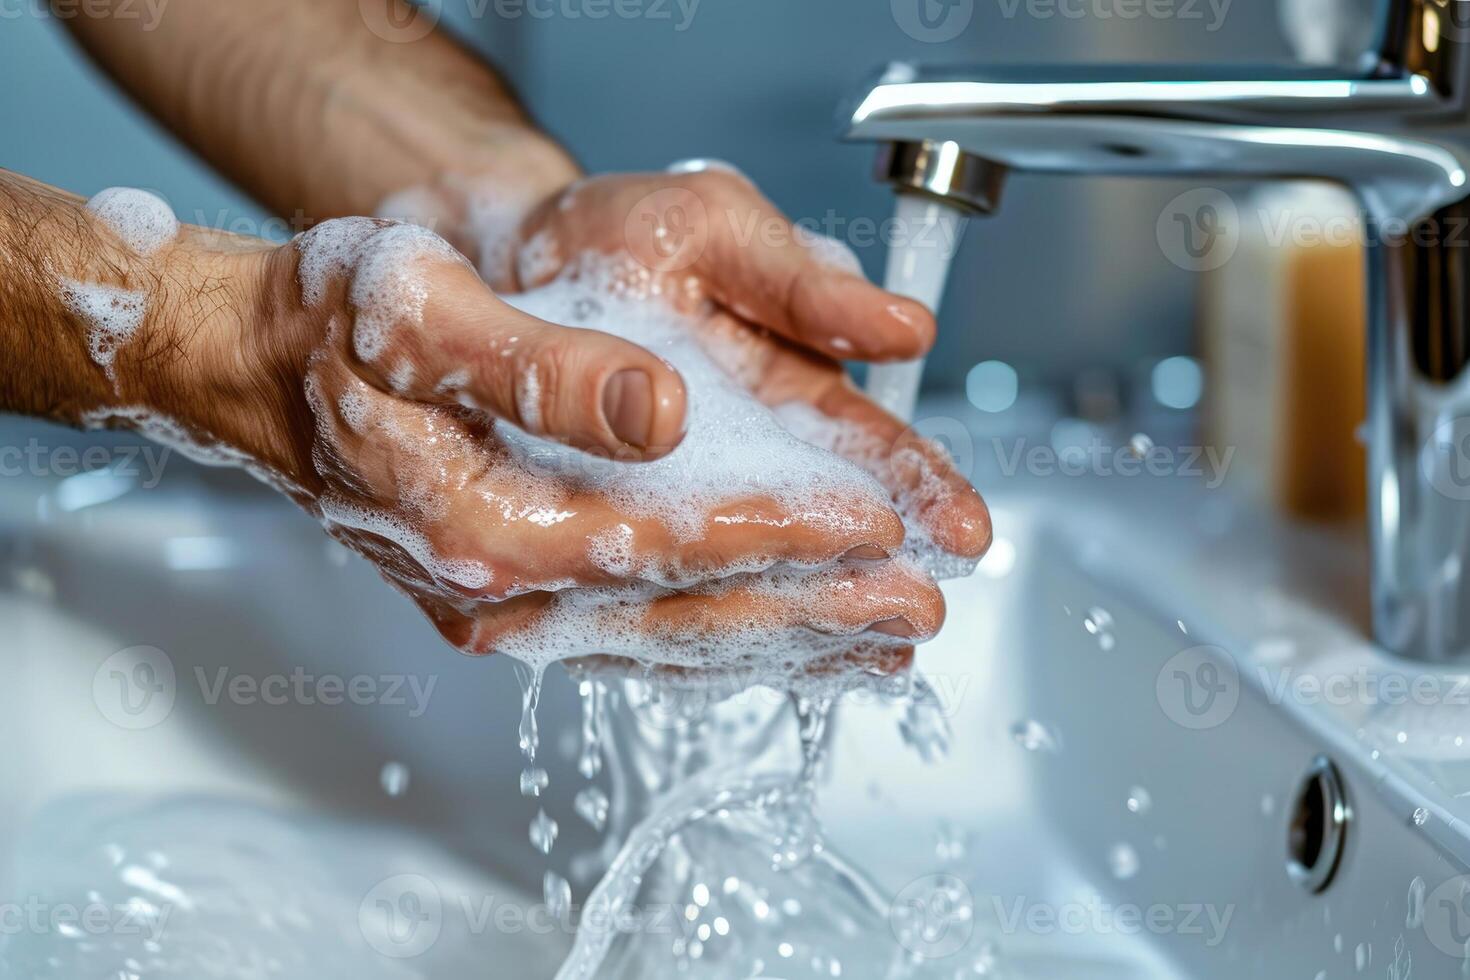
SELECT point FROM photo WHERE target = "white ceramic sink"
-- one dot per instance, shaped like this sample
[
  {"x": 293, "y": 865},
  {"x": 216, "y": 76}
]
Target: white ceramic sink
[{"x": 1201, "y": 614}]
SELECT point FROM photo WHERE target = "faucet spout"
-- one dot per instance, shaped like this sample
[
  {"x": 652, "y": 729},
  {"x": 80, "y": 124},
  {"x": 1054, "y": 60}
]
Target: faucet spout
[
  {"x": 942, "y": 170},
  {"x": 1398, "y": 135}
]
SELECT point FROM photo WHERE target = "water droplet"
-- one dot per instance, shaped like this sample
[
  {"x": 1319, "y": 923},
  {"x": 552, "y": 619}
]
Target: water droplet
[
  {"x": 557, "y": 893},
  {"x": 533, "y": 780},
  {"x": 985, "y": 961},
  {"x": 394, "y": 778},
  {"x": 1421, "y": 816},
  {"x": 1140, "y": 445},
  {"x": 589, "y": 763},
  {"x": 1363, "y": 956},
  {"x": 950, "y": 845},
  {"x": 543, "y": 832},
  {"x": 1099, "y": 622},
  {"x": 1415, "y": 917},
  {"x": 799, "y": 838},
  {"x": 592, "y": 806},
  {"x": 1139, "y": 800},
  {"x": 1123, "y": 861},
  {"x": 1337, "y": 943},
  {"x": 1268, "y": 805},
  {"x": 1033, "y": 736},
  {"x": 527, "y": 736},
  {"x": 924, "y": 726}
]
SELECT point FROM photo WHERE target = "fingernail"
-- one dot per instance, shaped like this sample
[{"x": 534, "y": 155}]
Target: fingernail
[
  {"x": 867, "y": 552},
  {"x": 627, "y": 404},
  {"x": 893, "y": 627}
]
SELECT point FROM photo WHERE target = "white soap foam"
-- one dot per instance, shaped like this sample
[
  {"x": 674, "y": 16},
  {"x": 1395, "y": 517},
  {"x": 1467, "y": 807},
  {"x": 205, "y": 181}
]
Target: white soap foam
[
  {"x": 734, "y": 447},
  {"x": 925, "y": 489},
  {"x": 142, "y": 220},
  {"x": 453, "y": 381},
  {"x": 612, "y": 550},
  {"x": 416, "y": 205},
  {"x": 613, "y": 621},
  {"x": 112, "y": 315},
  {"x": 493, "y": 220},
  {"x": 353, "y": 406},
  {"x": 528, "y": 399},
  {"x": 492, "y": 213},
  {"x": 401, "y": 376},
  {"x": 384, "y": 262},
  {"x": 189, "y": 442},
  {"x": 538, "y": 259},
  {"x": 466, "y": 572}
]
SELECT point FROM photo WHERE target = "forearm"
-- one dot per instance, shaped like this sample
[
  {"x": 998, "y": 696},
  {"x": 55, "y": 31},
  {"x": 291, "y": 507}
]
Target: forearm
[
  {"x": 310, "y": 110},
  {"x": 48, "y": 244},
  {"x": 96, "y": 322}
]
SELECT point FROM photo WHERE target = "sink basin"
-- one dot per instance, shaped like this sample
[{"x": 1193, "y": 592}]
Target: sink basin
[{"x": 1128, "y": 677}]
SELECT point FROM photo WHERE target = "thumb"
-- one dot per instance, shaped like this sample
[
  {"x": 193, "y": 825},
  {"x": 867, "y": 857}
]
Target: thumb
[{"x": 589, "y": 389}]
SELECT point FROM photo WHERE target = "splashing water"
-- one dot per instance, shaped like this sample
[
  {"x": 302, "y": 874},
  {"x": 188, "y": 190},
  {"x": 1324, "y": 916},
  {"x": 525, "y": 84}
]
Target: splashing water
[
  {"x": 1033, "y": 736},
  {"x": 394, "y": 778},
  {"x": 543, "y": 832},
  {"x": 528, "y": 737},
  {"x": 589, "y": 763},
  {"x": 1414, "y": 916},
  {"x": 1123, "y": 861},
  {"x": 592, "y": 806},
  {"x": 534, "y": 780},
  {"x": 924, "y": 727},
  {"x": 1099, "y": 622}
]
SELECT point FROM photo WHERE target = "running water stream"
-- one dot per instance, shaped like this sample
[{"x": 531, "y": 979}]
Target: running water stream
[{"x": 928, "y": 235}]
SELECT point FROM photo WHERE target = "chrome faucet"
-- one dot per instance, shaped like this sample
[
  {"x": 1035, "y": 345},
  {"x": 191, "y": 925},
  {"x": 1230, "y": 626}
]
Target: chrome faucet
[{"x": 1397, "y": 133}]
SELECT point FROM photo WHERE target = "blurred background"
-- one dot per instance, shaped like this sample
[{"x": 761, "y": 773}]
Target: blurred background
[{"x": 1067, "y": 278}]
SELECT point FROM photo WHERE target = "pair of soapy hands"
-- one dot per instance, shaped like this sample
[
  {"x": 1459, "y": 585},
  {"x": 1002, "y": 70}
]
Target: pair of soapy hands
[{"x": 779, "y": 305}]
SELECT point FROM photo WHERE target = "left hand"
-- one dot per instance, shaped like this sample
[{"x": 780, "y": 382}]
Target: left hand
[{"x": 785, "y": 304}]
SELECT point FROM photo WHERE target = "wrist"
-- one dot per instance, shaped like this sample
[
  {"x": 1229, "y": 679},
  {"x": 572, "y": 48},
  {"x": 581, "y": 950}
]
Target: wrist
[{"x": 218, "y": 354}]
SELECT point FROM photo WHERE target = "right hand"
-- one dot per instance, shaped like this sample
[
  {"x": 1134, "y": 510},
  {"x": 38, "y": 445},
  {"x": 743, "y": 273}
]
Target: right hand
[{"x": 364, "y": 423}]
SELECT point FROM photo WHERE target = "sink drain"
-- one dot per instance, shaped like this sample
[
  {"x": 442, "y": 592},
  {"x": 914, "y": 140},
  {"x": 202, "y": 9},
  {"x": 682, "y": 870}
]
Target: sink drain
[{"x": 1318, "y": 829}]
